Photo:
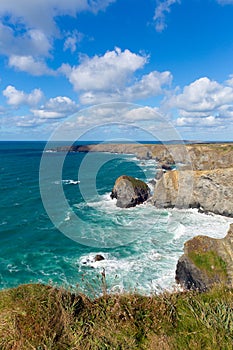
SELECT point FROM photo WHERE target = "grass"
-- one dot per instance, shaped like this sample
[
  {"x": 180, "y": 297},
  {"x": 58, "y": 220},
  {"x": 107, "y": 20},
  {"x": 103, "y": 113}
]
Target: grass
[
  {"x": 41, "y": 317},
  {"x": 136, "y": 182},
  {"x": 211, "y": 263}
]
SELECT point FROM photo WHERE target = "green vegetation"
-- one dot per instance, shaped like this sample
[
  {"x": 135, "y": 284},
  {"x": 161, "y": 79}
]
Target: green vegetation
[
  {"x": 210, "y": 262},
  {"x": 135, "y": 182},
  {"x": 45, "y": 318}
]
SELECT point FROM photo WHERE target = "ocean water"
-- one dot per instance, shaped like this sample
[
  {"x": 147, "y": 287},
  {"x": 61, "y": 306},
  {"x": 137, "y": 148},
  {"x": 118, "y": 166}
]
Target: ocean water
[{"x": 140, "y": 245}]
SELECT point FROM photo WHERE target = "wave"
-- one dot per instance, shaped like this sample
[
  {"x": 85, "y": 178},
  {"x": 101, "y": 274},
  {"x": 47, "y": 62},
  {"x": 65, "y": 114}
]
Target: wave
[
  {"x": 67, "y": 182},
  {"x": 70, "y": 182}
]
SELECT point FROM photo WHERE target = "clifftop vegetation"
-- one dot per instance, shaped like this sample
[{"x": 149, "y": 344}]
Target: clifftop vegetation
[{"x": 45, "y": 318}]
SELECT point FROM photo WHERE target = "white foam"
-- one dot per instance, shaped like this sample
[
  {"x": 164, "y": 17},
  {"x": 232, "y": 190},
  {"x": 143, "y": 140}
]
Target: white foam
[
  {"x": 50, "y": 151},
  {"x": 70, "y": 182}
]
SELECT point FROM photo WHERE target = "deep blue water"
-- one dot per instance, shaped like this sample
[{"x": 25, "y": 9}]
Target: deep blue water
[{"x": 141, "y": 245}]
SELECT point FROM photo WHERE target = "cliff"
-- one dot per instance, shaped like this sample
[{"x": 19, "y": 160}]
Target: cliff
[
  {"x": 206, "y": 262},
  {"x": 209, "y": 190},
  {"x": 195, "y": 156}
]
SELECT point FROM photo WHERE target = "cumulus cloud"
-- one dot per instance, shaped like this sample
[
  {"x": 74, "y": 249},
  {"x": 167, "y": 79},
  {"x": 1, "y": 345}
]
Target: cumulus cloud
[
  {"x": 203, "y": 103},
  {"x": 149, "y": 85},
  {"x": 111, "y": 78},
  {"x": 54, "y": 108},
  {"x": 202, "y": 96},
  {"x": 162, "y": 8},
  {"x": 16, "y": 97},
  {"x": 30, "y": 65},
  {"x": 107, "y": 72}
]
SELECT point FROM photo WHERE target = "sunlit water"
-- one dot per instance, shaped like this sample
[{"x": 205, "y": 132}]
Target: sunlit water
[{"x": 140, "y": 245}]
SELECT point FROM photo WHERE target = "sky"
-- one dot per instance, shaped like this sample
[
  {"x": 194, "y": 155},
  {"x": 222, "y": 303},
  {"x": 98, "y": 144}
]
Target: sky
[{"x": 73, "y": 64}]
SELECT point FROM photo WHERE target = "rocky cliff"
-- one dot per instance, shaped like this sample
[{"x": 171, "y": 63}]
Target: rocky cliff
[
  {"x": 129, "y": 191},
  {"x": 206, "y": 262},
  {"x": 194, "y": 156},
  {"x": 209, "y": 190}
]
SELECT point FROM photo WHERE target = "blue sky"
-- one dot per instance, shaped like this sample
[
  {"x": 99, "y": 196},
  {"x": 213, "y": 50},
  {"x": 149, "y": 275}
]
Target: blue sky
[{"x": 173, "y": 58}]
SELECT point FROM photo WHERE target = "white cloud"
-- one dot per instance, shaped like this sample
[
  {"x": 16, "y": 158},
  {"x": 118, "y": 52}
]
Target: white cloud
[
  {"x": 54, "y": 108},
  {"x": 210, "y": 121},
  {"x": 17, "y": 97},
  {"x": 30, "y": 65},
  {"x": 149, "y": 85},
  {"x": 162, "y": 8},
  {"x": 104, "y": 73},
  {"x": 203, "y": 103},
  {"x": 141, "y": 114},
  {"x": 72, "y": 40},
  {"x": 33, "y": 41},
  {"x": 40, "y": 14},
  {"x": 28, "y": 28},
  {"x": 202, "y": 96},
  {"x": 111, "y": 78}
]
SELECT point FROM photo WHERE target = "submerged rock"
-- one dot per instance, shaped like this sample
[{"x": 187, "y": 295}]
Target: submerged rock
[
  {"x": 206, "y": 262},
  {"x": 129, "y": 191},
  {"x": 98, "y": 257}
]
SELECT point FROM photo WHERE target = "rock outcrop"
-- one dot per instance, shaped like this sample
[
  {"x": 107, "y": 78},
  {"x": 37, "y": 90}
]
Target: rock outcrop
[
  {"x": 209, "y": 190},
  {"x": 129, "y": 191},
  {"x": 206, "y": 262}
]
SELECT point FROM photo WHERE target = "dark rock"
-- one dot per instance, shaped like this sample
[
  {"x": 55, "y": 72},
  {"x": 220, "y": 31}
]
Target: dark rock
[
  {"x": 189, "y": 276},
  {"x": 129, "y": 191},
  {"x": 166, "y": 167},
  {"x": 152, "y": 182},
  {"x": 98, "y": 257},
  {"x": 206, "y": 262}
]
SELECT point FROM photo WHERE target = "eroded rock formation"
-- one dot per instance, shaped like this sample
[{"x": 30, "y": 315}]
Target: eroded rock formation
[
  {"x": 206, "y": 262},
  {"x": 209, "y": 190},
  {"x": 129, "y": 191}
]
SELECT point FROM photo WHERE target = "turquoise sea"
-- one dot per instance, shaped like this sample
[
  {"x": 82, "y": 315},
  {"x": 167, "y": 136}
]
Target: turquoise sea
[{"x": 140, "y": 245}]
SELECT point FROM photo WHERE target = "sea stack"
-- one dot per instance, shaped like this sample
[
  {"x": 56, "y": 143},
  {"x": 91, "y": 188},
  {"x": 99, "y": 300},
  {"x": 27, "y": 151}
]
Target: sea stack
[{"x": 129, "y": 191}]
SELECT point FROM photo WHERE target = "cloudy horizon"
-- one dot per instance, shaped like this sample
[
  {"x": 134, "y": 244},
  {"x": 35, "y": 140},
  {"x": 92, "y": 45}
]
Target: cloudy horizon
[{"x": 173, "y": 57}]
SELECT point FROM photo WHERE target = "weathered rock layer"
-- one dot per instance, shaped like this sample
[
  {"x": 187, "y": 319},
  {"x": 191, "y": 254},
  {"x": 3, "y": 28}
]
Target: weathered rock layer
[{"x": 210, "y": 190}]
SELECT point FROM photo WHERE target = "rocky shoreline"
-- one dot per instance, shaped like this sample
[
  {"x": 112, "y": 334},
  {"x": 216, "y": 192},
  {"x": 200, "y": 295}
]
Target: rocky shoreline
[{"x": 188, "y": 176}]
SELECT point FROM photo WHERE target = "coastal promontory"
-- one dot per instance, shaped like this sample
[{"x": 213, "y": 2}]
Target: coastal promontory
[{"x": 206, "y": 262}]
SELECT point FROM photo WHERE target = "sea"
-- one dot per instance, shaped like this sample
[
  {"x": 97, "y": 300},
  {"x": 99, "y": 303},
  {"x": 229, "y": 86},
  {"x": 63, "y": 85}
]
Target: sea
[{"x": 56, "y": 215}]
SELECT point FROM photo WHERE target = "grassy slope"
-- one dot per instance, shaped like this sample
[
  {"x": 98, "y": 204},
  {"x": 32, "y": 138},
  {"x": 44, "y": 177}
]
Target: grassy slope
[{"x": 41, "y": 317}]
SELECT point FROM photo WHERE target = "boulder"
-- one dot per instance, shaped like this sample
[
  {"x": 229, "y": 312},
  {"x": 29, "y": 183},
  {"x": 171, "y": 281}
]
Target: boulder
[
  {"x": 206, "y": 262},
  {"x": 129, "y": 191}
]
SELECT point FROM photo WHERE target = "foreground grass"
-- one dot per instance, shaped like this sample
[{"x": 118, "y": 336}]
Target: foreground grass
[{"x": 41, "y": 317}]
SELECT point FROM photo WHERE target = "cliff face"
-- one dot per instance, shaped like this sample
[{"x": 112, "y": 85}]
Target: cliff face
[
  {"x": 206, "y": 262},
  {"x": 210, "y": 190},
  {"x": 129, "y": 191},
  {"x": 193, "y": 156}
]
